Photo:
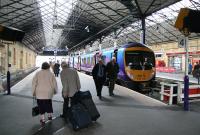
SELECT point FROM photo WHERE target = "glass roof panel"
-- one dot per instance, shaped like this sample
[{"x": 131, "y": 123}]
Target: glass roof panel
[
  {"x": 167, "y": 13},
  {"x": 159, "y": 26},
  {"x": 54, "y": 13}
]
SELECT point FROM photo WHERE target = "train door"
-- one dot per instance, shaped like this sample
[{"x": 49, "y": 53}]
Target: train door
[
  {"x": 73, "y": 62},
  {"x": 115, "y": 53},
  {"x": 96, "y": 58},
  {"x": 79, "y": 63}
]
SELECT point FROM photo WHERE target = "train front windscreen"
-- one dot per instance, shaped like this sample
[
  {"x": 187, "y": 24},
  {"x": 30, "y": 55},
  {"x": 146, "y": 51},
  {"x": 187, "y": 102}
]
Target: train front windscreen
[{"x": 140, "y": 60}]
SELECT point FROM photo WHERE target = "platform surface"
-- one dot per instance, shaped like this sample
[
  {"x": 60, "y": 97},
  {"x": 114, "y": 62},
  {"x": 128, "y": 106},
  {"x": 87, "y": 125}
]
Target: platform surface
[{"x": 127, "y": 113}]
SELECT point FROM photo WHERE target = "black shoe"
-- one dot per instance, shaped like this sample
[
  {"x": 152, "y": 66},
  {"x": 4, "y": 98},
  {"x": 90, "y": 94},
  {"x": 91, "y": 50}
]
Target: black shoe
[
  {"x": 100, "y": 98},
  {"x": 42, "y": 122},
  {"x": 50, "y": 118},
  {"x": 111, "y": 94},
  {"x": 62, "y": 115}
]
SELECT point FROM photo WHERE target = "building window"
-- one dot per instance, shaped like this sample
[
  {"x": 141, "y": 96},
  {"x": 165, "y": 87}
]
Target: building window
[
  {"x": 176, "y": 62},
  {"x": 14, "y": 56}
]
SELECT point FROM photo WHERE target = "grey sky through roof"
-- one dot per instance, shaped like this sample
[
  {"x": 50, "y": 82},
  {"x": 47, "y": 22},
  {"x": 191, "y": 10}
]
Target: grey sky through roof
[{"x": 54, "y": 13}]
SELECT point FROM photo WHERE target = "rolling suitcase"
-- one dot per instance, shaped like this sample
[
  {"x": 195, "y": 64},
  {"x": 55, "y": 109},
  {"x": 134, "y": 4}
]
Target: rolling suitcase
[
  {"x": 79, "y": 117},
  {"x": 90, "y": 106},
  {"x": 85, "y": 98}
]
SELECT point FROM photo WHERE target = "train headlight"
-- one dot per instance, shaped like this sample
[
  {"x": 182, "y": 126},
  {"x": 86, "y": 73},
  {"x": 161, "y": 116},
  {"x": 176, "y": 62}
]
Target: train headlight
[
  {"x": 130, "y": 75},
  {"x": 153, "y": 73}
]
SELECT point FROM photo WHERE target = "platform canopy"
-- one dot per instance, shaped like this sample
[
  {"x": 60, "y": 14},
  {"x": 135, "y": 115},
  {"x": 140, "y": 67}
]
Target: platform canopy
[{"x": 73, "y": 24}]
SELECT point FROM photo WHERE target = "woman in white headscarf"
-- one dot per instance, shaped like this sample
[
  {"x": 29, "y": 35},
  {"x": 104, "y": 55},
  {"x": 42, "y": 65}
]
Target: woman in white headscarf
[{"x": 44, "y": 86}]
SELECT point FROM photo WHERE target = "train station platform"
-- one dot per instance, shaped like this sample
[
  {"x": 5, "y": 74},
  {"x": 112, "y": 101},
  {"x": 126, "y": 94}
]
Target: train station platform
[
  {"x": 126, "y": 113},
  {"x": 176, "y": 77}
]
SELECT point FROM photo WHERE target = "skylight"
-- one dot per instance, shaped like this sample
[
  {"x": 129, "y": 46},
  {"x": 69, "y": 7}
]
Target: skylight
[
  {"x": 54, "y": 13},
  {"x": 169, "y": 13}
]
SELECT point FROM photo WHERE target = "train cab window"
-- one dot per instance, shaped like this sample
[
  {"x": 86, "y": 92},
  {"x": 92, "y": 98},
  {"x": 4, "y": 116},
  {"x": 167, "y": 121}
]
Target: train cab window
[
  {"x": 147, "y": 65},
  {"x": 139, "y": 60}
]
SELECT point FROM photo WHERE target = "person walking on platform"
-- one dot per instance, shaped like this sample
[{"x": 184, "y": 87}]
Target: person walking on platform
[
  {"x": 56, "y": 68},
  {"x": 44, "y": 86},
  {"x": 99, "y": 76},
  {"x": 70, "y": 85},
  {"x": 112, "y": 69},
  {"x": 196, "y": 72}
]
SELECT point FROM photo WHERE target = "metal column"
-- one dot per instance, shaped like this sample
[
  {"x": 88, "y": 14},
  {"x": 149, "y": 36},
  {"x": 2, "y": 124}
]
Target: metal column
[
  {"x": 186, "y": 78},
  {"x": 143, "y": 30}
]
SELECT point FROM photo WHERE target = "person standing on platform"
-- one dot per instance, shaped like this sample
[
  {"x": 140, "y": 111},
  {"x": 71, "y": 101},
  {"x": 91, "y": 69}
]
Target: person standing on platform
[
  {"x": 190, "y": 68},
  {"x": 70, "y": 85},
  {"x": 99, "y": 76},
  {"x": 56, "y": 68},
  {"x": 44, "y": 86},
  {"x": 196, "y": 71},
  {"x": 112, "y": 69}
]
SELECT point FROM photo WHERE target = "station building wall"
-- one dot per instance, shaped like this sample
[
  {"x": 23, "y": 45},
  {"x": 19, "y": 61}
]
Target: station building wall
[
  {"x": 20, "y": 57},
  {"x": 174, "y": 56}
]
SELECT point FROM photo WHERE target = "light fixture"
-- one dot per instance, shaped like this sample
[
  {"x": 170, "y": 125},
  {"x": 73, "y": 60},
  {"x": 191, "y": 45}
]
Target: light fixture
[{"x": 87, "y": 29}]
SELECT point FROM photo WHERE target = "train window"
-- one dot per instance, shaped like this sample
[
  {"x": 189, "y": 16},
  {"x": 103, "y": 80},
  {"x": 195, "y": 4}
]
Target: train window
[
  {"x": 84, "y": 61},
  {"x": 88, "y": 60},
  {"x": 92, "y": 60},
  {"x": 140, "y": 60}
]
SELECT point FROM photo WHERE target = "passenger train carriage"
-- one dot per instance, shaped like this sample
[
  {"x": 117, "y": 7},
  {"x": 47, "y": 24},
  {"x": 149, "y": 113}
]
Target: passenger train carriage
[{"x": 136, "y": 64}]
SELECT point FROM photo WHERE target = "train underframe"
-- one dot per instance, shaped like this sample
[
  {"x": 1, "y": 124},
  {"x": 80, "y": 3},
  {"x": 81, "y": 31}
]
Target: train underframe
[{"x": 142, "y": 87}]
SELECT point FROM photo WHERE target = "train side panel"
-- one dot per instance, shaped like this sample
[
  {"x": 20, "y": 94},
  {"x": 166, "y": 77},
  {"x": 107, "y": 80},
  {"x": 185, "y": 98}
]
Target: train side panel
[
  {"x": 120, "y": 61},
  {"x": 107, "y": 56}
]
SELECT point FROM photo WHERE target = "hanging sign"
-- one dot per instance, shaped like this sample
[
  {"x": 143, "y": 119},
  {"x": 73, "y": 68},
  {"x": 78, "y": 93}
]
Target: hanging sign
[{"x": 181, "y": 42}]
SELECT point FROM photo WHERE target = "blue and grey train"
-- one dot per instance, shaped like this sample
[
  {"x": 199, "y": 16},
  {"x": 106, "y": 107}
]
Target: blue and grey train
[{"x": 136, "y": 64}]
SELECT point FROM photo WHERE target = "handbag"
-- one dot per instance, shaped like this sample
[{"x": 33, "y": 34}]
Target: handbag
[{"x": 35, "y": 108}]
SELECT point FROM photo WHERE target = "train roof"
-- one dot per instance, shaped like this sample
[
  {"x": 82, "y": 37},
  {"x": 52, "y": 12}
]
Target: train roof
[{"x": 134, "y": 44}]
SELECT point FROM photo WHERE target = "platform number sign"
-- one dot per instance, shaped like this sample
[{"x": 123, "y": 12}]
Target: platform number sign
[{"x": 181, "y": 42}]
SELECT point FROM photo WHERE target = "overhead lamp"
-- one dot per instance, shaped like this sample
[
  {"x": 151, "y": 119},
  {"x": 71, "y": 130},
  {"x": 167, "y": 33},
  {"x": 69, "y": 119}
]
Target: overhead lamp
[{"x": 87, "y": 29}]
